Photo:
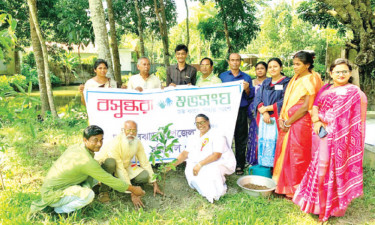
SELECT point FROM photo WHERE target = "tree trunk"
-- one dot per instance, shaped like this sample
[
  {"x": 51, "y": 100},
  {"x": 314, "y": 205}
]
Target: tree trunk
[
  {"x": 100, "y": 31},
  {"x": 140, "y": 28},
  {"x": 225, "y": 25},
  {"x": 187, "y": 24},
  {"x": 17, "y": 66},
  {"x": 114, "y": 46},
  {"x": 163, "y": 29},
  {"x": 33, "y": 17},
  {"x": 37, "y": 49}
]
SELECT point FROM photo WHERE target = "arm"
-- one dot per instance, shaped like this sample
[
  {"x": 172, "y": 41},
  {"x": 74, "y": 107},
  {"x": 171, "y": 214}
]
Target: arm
[
  {"x": 315, "y": 119},
  {"x": 82, "y": 93},
  {"x": 211, "y": 158},
  {"x": 298, "y": 114},
  {"x": 194, "y": 76},
  {"x": 181, "y": 158}
]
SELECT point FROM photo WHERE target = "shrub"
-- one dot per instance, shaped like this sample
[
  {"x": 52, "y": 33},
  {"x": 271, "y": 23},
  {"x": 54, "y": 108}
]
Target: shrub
[
  {"x": 29, "y": 59},
  {"x": 161, "y": 73},
  {"x": 19, "y": 80},
  {"x": 31, "y": 74},
  {"x": 4, "y": 85},
  {"x": 221, "y": 66}
]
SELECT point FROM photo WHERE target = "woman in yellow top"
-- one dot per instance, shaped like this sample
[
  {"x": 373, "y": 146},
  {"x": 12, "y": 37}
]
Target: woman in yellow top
[{"x": 293, "y": 149}]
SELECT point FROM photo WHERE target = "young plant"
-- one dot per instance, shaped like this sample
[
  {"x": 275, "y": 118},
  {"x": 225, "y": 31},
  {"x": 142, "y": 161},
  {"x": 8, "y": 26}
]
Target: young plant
[{"x": 165, "y": 142}]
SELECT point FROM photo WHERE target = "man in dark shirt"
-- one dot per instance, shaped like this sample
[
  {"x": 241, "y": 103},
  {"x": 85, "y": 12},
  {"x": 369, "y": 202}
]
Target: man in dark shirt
[
  {"x": 241, "y": 130},
  {"x": 181, "y": 73}
]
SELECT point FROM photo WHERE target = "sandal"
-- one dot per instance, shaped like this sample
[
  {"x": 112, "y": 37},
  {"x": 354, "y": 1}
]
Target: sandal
[
  {"x": 239, "y": 171},
  {"x": 104, "y": 197}
]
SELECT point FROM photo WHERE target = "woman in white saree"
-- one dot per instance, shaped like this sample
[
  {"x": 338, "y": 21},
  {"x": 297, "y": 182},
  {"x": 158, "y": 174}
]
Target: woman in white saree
[{"x": 208, "y": 158}]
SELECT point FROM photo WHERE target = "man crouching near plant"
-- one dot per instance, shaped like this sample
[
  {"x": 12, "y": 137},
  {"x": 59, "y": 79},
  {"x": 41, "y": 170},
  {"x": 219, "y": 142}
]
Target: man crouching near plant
[
  {"x": 119, "y": 154},
  {"x": 67, "y": 186}
]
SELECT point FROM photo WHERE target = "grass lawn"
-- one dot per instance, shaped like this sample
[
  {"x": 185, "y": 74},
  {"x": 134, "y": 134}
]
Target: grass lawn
[{"x": 27, "y": 160}]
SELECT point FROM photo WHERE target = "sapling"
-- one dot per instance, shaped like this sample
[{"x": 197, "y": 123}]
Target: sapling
[{"x": 165, "y": 142}]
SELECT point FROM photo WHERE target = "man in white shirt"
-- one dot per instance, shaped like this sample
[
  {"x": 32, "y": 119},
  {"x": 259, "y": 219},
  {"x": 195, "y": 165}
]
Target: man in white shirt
[{"x": 143, "y": 80}]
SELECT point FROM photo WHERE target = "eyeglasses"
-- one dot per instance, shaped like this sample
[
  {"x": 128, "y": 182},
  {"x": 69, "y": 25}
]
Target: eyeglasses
[
  {"x": 200, "y": 123},
  {"x": 129, "y": 130},
  {"x": 343, "y": 72}
]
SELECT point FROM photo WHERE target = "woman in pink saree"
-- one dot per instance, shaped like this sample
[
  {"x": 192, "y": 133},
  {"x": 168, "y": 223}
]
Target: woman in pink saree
[{"x": 335, "y": 176}]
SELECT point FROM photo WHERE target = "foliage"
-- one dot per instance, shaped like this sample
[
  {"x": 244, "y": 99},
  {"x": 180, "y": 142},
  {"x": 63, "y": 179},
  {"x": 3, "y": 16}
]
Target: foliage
[
  {"x": 315, "y": 12},
  {"x": 31, "y": 74},
  {"x": 126, "y": 16},
  {"x": 165, "y": 142},
  {"x": 74, "y": 25},
  {"x": 161, "y": 73},
  {"x": 7, "y": 33},
  {"x": 11, "y": 83},
  {"x": 221, "y": 66},
  {"x": 241, "y": 21}
]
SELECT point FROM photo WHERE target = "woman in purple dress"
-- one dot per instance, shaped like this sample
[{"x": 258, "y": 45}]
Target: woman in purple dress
[{"x": 251, "y": 156}]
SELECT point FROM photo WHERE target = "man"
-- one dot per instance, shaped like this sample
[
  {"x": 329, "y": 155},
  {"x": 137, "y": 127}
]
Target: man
[
  {"x": 181, "y": 73},
  {"x": 207, "y": 77},
  {"x": 143, "y": 80},
  {"x": 241, "y": 130},
  {"x": 67, "y": 186},
  {"x": 122, "y": 149}
]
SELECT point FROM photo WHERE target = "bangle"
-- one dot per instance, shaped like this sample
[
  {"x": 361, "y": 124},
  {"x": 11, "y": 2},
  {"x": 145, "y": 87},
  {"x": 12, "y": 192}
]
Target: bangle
[
  {"x": 314, "y": 120},
  {"x": 286, "y": 125}
]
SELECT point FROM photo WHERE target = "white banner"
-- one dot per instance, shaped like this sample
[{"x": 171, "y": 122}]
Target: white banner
[{"x": 109, "y": 108}]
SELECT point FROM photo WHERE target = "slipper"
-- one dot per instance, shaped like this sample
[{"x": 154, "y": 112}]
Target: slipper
[{"x": 239, "y": 171}]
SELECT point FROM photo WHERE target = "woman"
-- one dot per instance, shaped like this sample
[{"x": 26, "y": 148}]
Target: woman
[
  {"x": 100, "y": 79},
  {"x": 335, "y": 176},
  {"x": 209, "y": 158},
  {"x": 251, "y": 156},
  {"x": 268, "y": 101},
  {"x": 293, "y": 148}
]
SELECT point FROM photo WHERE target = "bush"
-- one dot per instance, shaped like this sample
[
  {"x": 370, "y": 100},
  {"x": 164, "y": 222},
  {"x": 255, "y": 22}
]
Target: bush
[
  {"x": 321, "y": 69},
  {"x": 288, "y": 71},
  {"x": 161, "y": 73},
  {"x": 31, "y": 74},
  {"x": 4, "y": 85},
  {"x": 8, "y": 83},
  {"x": 29, "y": 59},
  {"x": 221, "y": 66},
  {"x": 19, "y": 80}
]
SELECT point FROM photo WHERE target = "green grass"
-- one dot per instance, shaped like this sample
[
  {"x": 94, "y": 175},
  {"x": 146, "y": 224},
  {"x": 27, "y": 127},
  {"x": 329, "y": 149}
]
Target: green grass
[{"x": 27, "y": 161}]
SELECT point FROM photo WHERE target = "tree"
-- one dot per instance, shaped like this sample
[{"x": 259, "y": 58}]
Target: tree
[
  {"x": 114, "y": 46},
  {"x": 160, "y": 14},
  {"x": 140, "y": 28},
  {"x": 187, "y": 24},
  {"x": 100, "y": 31},
  {"x": 138, "y": 17},
  {"x": 235, "y": 23},
  {"x": 357, "y": 16},
  {"x": 7, "y": 36},
  {"x": 41, "y": 45}
]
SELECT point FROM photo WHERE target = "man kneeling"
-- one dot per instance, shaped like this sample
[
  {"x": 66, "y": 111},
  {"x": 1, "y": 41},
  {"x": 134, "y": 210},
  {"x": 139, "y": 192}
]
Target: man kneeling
[
  {"x": 68, "y": 184},
  {"x": 118, "y": 154}
]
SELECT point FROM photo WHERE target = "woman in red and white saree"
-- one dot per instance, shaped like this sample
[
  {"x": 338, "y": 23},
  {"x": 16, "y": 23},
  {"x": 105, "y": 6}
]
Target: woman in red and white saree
[{"x": 335, "y": 176}]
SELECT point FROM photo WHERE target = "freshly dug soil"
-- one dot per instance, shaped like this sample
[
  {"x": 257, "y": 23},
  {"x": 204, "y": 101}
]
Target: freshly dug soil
[{"x": 255, "y": 187}]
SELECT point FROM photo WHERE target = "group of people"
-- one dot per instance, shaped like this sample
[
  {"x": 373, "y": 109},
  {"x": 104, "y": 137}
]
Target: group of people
[{"x": 311, "y": 135}]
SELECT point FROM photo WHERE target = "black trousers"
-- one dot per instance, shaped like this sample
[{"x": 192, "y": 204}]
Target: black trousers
[{"x": 241, "y": 136}]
